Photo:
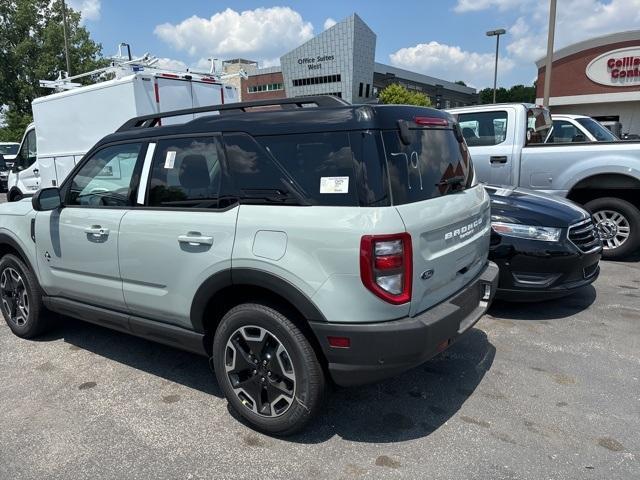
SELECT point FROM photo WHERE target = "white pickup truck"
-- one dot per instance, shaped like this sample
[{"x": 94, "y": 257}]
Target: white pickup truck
[
  {"x": 68, "y": 123},
  {"x": 510, "y": 146}
]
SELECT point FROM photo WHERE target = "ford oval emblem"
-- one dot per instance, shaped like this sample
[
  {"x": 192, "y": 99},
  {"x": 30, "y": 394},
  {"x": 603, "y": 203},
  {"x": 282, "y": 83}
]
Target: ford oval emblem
[{"x": 427, "y": 274}]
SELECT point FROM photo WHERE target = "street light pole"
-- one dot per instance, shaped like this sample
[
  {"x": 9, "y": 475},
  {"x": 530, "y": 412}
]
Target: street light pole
[
  {"x": 66, "y": 41},
  {"x": 547, "y": 68},
  {"x": 496, "y": 33}
]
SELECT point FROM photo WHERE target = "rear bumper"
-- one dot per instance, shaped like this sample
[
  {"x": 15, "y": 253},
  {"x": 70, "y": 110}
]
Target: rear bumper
[{"x": 384, "y": 349}]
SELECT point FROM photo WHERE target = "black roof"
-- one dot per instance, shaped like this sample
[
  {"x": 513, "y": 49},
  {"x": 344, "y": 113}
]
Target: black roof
[{"x": 324, "y": 117}]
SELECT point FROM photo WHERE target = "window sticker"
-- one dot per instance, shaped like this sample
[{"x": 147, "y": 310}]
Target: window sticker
[
  {"x": 334, "y": 185},
  {"x": 170, "y": 160}
]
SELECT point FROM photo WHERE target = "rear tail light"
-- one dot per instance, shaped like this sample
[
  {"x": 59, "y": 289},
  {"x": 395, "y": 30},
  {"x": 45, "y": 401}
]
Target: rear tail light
[
  {"x": 431, "y": 121},
  {"x": 385, "y": 266}
]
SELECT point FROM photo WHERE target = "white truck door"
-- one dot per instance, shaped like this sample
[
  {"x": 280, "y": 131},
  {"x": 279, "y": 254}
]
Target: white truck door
[
  {"x": 25, "y": 168},
  {"x": 174, "y": 94},
  {"x": 206, "y": 94},
  {"x": 490, "y": 137}
]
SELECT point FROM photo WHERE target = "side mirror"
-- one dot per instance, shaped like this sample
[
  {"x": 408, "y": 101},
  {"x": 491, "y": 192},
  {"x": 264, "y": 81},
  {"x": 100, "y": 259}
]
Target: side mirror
[{"x": 46, "y": 199}]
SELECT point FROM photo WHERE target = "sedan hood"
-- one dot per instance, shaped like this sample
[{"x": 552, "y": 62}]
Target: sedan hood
[{"x": 527, "y": 207}]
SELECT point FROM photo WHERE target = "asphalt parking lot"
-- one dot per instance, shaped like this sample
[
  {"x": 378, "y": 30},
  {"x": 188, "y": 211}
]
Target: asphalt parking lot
[{"x": 540, "y": 391}]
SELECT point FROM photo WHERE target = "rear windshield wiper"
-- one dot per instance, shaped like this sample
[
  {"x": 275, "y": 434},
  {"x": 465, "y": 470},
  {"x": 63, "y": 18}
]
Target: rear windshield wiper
[{"x": 457, "y": 181}]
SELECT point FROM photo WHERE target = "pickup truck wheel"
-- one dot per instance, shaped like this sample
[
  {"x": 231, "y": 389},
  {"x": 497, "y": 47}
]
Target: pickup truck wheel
[
  {"x": 618, "y": 223},
  {"x": 20, "y": 298},
  {"x": 267, "y": 369}
]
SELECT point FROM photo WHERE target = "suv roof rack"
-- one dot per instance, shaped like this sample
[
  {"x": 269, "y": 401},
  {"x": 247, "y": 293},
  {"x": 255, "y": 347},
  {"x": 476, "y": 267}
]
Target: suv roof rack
[{"x": 148, "y": 121}]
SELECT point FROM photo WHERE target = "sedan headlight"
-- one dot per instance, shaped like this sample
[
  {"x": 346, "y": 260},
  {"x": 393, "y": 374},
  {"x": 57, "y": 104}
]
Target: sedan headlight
[{"x": 530, "y": 232}]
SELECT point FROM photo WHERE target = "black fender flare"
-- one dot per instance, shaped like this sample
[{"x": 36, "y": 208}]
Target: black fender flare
[
  {"x": 6, "y": 239},
  {"x": 254, "y": 278}
]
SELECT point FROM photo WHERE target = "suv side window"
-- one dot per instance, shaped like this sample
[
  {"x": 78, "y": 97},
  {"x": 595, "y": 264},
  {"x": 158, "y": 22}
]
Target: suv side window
[
  {"x": 483, "y": 129},
  {"x": 108, "y": 179},
  {"x": 254, "y": 174},
  {"x": 322, "y": 164},
  {"x": 186, "y": 173}
]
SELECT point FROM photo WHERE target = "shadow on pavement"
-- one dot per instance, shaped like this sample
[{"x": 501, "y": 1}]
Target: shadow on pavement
[
  {"x": 181, "y": 367},
  {"x": 409, "y": 406},
  {"x": 412, "y": 405},
  {"x": 546, "y": 310}
]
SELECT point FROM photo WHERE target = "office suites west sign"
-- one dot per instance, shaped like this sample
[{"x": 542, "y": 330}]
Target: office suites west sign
[{"x": 617, "y": 68}]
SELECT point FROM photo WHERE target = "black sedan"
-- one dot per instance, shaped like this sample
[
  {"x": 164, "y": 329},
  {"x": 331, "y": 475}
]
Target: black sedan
[{"x": 546, "y": 247}]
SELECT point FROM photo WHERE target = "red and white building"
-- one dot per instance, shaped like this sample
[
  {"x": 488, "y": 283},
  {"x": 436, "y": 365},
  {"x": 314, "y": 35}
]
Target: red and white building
[{"x": 599, "y": 77}]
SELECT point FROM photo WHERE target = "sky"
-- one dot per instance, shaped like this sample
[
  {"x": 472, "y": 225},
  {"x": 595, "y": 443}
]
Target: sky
[{"x": 441, "y": 38}]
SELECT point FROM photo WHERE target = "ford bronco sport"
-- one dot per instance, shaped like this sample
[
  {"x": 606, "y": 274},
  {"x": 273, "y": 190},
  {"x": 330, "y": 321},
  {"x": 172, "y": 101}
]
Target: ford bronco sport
[{"x": 295, "y": 244}]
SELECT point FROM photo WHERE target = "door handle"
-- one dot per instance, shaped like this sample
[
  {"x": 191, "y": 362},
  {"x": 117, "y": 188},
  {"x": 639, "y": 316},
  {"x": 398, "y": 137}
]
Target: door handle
[
  {"x": 498, "y": 159},
  {"x": 96, "y": 231},
  {"x": 194, "y": 238}
]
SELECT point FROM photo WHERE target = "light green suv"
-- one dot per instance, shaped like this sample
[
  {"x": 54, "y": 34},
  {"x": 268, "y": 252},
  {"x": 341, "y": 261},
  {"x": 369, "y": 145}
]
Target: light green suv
[{"x": 295, "y": 244}]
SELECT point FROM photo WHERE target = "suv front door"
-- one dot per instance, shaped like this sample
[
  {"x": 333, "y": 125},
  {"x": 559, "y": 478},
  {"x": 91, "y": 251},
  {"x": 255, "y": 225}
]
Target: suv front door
[
  {"x": 181, "y": 234},
  {"x": 77, "y": 245}
]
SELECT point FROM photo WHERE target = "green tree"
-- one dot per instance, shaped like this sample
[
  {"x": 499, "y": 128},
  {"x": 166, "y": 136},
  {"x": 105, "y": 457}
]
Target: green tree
[
  {"x": 32, "y": 49},
  {"x": 517, "y": 93},
  {"x": 460, "y": 82},
  {"x": 399, "y": 95}
]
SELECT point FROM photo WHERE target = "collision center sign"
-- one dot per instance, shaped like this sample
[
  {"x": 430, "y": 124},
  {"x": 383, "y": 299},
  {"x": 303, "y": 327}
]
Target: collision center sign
[{"x": 617, "y": 68}]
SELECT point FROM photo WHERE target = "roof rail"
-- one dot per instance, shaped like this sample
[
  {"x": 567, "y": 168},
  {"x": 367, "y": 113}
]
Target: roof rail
[{"x": 148, "y": 121}]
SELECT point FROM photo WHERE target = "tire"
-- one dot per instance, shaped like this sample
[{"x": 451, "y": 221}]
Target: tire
[
  {"x": 14, "y": 197},
  {"x": 284, "y": 394},
  {"x": 21, "y": 298},
  {"x": 618, "y": 222}
]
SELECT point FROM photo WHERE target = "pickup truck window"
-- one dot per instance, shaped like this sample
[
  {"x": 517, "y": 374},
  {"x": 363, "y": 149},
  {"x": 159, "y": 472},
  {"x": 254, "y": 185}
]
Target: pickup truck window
[
  {"x": 565, "y": 132},
  {"x": 538, "y": 125},
  {"x": 185, "y": 173},
  {"x": 106, "y": 179},
  {"x": 483, "y": 129},
  {"x": 596, "y": 129}
]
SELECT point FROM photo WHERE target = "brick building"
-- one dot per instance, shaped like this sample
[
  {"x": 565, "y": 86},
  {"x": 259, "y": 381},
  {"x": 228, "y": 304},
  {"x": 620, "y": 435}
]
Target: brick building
[{"x": 599, "y": 77}]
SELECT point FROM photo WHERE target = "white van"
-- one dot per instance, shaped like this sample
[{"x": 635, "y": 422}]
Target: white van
[{"x": 68, "y": 123}]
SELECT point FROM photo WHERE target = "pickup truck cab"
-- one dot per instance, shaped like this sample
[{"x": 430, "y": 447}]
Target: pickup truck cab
[
  {"x": 509, "y": 146},
  {"x": 579, "y": 129},
  {"x": 291, "y": 242}
]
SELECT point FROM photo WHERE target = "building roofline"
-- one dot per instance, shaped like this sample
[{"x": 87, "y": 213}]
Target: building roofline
[
  {"x": 382, "y": 68},
  {"x": 600, "y": 41}
]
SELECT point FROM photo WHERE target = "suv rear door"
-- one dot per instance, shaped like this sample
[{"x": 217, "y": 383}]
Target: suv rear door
[
  {"x": 181, "y": 232},
  {"x": 448, "y": 220}
]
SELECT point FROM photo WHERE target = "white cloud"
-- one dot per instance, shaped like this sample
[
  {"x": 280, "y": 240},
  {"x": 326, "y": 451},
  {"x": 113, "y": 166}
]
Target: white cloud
[
  {"x": 90, "y": 9},
  {"x": 329, "y": 22},
  {"x": 171, "y": 64},
  {"x": 262, "y": 34},
  {"x": 449, "y": 62}
]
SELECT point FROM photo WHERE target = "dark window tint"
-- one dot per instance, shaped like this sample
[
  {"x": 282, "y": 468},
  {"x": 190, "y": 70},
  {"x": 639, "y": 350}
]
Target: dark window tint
[
  {"x": 432, "y": 165},
  {"x": 322, "y": 165},
  {"x": 109, "y": 178},
  {"x": 483, "y": 128},
  {"x": 253, "y": 173},
  {"x": 185, "y": 173}
]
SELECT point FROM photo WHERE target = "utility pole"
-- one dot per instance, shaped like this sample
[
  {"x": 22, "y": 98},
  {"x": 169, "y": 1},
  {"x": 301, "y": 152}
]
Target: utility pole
[
  {"x": 547, "y": 69},
  {"x": 64, "y": 31},
  {"x": 496, "y": 33}
]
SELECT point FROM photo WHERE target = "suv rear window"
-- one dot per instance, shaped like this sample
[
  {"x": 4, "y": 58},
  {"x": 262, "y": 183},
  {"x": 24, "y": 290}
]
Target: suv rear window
[
  {"x": 330, "y": 168},
  {"x": 432, "y": 165}
]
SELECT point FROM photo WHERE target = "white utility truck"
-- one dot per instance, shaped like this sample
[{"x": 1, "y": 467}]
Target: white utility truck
[{"x": 69, "y": 122}]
